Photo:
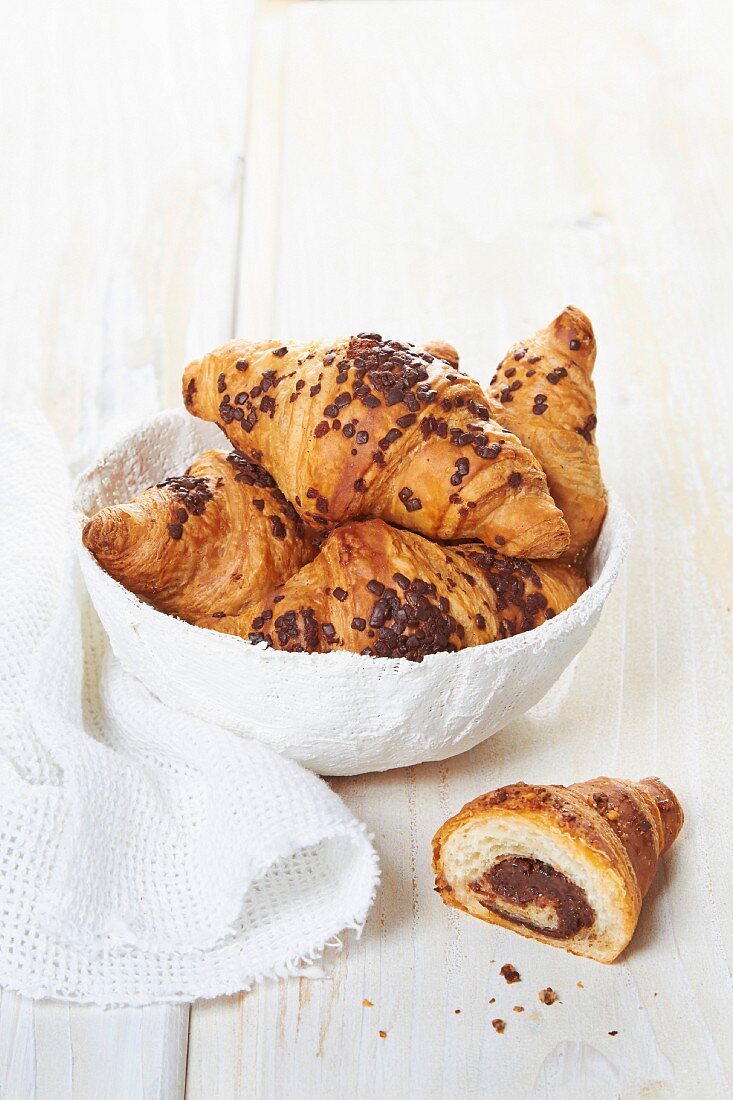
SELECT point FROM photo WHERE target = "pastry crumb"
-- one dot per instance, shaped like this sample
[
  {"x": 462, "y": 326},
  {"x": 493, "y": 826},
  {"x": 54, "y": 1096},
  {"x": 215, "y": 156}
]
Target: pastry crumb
[
  {"x": 367, "y": 1004},
  {"x": 519, "y": 1008},
  {"x": 510, "y": 974},
  {"x": 499, "y": 1026},
  {"x": 382, "y": 1034},
  {"x": 457, "y": 1011},
  {"x": 613, "y": 1033},
  {"x": 580, "y": 985},
  {"x": 492, "y": 1001},
  {"x": 547, "y": 996}
]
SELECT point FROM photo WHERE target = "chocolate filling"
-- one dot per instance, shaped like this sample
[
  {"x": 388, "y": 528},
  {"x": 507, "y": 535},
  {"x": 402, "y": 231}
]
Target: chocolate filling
[{"x": 520, "y": 881}]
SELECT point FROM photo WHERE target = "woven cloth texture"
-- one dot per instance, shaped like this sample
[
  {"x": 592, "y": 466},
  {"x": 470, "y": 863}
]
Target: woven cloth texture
[{"x": 146, "y": 855}]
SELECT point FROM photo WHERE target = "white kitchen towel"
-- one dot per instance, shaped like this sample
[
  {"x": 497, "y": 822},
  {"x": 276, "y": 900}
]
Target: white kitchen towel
[{"x": 145, "y": 856}]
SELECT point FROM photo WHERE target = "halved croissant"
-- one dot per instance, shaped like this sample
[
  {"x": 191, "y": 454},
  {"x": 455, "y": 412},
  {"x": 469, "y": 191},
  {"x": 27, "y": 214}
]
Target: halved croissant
[
  {"x": 368, "y": 427},
  {"x": 568, "y": 866},
  {"x": 384, "y": 592},
  {"x": 543, "y": 392},
  {"x": 204, "y": 543}
]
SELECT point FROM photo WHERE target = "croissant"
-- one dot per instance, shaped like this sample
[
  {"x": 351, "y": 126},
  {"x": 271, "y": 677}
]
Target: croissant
[
  {"x": 368, "y": 427},
  {"x": 441, "y": 349},
  {"x": 203, "y": 543},
  {"x": 543, "y": 392},
  {"x": 384, "y": 592},
  {"x": 568, "y": 866}
]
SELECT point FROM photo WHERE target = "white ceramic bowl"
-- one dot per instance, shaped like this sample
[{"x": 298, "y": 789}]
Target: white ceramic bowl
[{"x": 337, "y": 713}]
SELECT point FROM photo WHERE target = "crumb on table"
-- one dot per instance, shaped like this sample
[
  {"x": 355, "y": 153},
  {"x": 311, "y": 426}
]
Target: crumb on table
[
  {"x": 499, "y": 1026},
  {"x": 510, "y": 974},
  {"x": 547, "y": 996}
]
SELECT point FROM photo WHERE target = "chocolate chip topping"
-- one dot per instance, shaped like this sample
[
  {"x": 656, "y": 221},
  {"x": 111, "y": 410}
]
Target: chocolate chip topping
[
  {"x": 193, "y": 492},
  {"x": 251, "y": 474},
  {"x": 279, "y": 530},
  {"x": 390, "y": 373},
  {"x": 513, "y": 581},
  {"x": 410, "y": 623},
  {"x": 587, "y": 428}
]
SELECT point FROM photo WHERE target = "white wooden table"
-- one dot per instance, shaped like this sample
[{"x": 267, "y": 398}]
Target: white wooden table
[{"x": 459, "y": 170}]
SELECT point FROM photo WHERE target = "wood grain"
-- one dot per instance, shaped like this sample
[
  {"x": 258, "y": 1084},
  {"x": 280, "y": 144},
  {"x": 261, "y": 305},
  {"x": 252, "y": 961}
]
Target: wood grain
[{"x": 463, "y": 171}]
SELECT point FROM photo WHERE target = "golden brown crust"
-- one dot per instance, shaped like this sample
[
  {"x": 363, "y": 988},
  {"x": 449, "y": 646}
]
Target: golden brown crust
[
  {"x": 441, "y": 349},
  {"x": 668, "y": 807},
  {"x": 205, "y": 543},
  {"x": 386, "y": 592},
  {"x": 368, "y": 427},
  {"x": 632, "y": 813},
  {"x": 617, "y": 828},
  {"x": 543, "y": 392}
]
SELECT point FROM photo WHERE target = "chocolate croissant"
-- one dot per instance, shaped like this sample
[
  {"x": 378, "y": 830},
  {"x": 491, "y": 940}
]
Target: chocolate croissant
[
  {"x": 368, "y": 427},
  {"x": 383, "y": 592},
  {"x": 441, "y": 349},
  {"x": 204, "y": 543},
  {"x": 568, "y": 866},
  {"x": 543, "y": 392}
]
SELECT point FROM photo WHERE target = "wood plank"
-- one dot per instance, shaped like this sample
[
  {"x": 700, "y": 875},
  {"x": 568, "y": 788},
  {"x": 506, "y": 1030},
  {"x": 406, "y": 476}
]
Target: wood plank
[
  {"x": 61, "y": 1051},
  {"x": 124, "y": 187},
  {"x": 123, "y": 130},
  {"x": 463, "y": 171}
]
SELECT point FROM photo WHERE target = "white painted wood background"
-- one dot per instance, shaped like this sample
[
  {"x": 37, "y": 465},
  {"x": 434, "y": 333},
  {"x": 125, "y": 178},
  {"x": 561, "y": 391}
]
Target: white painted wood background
[{"x": 459, "y": 170}]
